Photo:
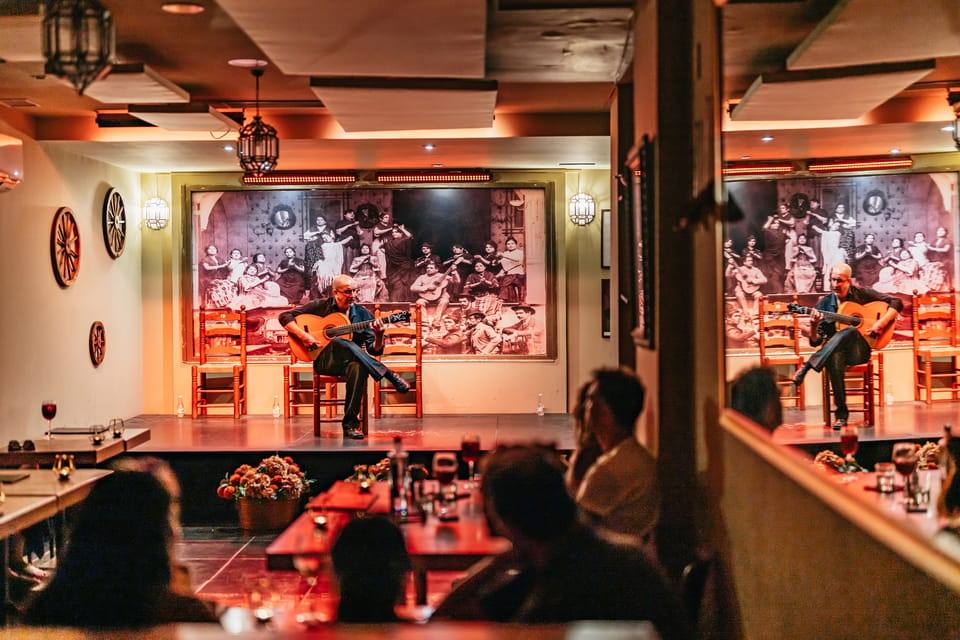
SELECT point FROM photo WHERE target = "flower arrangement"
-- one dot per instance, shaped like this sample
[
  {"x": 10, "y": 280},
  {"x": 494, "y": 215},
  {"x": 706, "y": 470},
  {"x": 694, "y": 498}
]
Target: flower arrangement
[{"x": 275, "y": 478}]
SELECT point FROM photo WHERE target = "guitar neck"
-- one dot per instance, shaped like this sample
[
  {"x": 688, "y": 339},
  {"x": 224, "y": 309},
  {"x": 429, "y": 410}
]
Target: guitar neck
[
  {"x": 831, "y": 316},
  {"x": 333, "y": 332}
]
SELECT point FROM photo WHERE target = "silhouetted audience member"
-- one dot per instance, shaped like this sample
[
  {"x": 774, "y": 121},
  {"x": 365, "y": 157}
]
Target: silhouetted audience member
[
  {"x": 618, "y": 492},
  {"x": 371, "y": 563},
  {"x": 559, "y": 569},
  {"x": 947, "y": 538},
  {"x": 586, "y": 448},
  {"x": 115, "y": 570},
  {"x": 756, "y": 395}
]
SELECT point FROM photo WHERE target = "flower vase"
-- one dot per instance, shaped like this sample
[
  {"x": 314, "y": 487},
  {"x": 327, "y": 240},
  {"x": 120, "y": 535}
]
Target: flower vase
[{"x": 257, "y": 515}]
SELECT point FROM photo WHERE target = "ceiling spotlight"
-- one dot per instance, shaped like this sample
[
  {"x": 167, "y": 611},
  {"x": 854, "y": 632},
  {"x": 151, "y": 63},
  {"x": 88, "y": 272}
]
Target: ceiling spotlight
[
  {"x": 429, "y": 147},
  {"x": 258, "y": 146},
  {"x": 767, "y": 138},
  {"x": 183, "y": 8},
  {"x": 78, "y": 41}
]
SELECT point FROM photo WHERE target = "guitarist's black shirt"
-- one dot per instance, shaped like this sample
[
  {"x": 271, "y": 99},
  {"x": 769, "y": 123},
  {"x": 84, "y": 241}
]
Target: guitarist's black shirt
[{"x": 859, "y": 295}]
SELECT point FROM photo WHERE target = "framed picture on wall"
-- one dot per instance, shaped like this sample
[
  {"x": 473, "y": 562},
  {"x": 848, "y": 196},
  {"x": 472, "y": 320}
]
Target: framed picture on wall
[
  {"x": 460, "y": 253},
  {"x": 605, "y": 239},
  {"x": 605, "y": 307}
]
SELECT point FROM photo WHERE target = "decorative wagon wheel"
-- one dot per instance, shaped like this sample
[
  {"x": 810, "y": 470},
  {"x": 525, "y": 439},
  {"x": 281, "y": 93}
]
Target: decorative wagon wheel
[
  {"x": 114, "y": 223},
  {"x": 98, "y": 343},
  {"x": 65, "y": 247}
]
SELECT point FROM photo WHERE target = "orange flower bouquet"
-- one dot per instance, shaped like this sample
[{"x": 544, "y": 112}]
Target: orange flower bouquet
[{"x": 275, "y": 478}]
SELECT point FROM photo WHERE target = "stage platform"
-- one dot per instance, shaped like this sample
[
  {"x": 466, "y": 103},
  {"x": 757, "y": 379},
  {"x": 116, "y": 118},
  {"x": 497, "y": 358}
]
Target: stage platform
[{"x": 201, "y": 451}]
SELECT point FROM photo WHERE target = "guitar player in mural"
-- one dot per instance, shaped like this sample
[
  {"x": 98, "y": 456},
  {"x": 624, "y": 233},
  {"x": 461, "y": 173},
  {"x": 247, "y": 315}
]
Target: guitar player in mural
[
  {"x": 871, "y": 316},
  {"x": 341, "y": 338}
]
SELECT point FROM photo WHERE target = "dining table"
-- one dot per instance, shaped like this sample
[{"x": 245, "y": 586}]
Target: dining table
[
  {"x": 433, "y": 544},
  {"x": 85, "y": 452},
  {"x": 923, "y": 521}
]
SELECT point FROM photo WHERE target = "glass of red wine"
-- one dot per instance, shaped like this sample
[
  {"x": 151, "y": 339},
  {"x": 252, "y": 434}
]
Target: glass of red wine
[
  {"x": 905, "y": 460},
  {"x": 470, "y": 452},
  {"x": 848, "y": 446},
  {"x": 49, "y": 410}
]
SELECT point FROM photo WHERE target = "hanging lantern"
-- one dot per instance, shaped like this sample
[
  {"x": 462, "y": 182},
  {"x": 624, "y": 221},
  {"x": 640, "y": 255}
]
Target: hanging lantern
[
  {"x": 258, "y": 146},
  {"x": 78, "y": 41}
]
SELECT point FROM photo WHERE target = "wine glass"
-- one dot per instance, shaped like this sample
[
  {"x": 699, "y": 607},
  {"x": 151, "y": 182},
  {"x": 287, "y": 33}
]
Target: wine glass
[
  {"x": 905, "y": 459},
  {"x": 848, "y": 446},
  {"x": 470, "y": 452},
  {"x": 309, "y": 564},
  {"x": 49, "y": 410},
  {"x": 445, "y": 471}
]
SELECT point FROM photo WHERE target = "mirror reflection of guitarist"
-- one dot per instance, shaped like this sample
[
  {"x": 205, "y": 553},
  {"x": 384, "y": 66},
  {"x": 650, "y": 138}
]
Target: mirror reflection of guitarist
[
  {"x": 846, "y": 347},
  {"x": 352, "y": 359}
]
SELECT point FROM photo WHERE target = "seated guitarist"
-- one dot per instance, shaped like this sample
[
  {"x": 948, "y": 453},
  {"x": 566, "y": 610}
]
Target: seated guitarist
[
  {"x": 351, "y": 359},
  {"x": 431, "y": 287},
  {"x": 846, "y": 347}
]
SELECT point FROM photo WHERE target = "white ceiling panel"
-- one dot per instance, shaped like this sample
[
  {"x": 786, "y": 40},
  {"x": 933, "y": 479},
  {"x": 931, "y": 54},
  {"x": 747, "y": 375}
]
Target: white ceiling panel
[
  {"x": 195, "y": 117},
  {"x": 787, "y": 96},
  {"x": 20, "y": 38},
  {"x": 136, "y": 84},
  {"x": 413, "y": 38},
  {"x": 870, "y": 31},
  {"x": 403, "y": 109}
]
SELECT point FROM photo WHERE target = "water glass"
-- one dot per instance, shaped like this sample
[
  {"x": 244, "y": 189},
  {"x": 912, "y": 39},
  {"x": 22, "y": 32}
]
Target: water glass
[{"x": 886, "y": 472}]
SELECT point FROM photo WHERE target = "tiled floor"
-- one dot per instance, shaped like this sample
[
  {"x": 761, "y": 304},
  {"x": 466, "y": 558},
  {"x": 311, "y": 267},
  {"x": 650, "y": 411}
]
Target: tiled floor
[{"x": 229, "y": 567}]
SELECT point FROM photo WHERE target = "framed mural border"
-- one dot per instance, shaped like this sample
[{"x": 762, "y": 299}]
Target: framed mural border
[
  {"x": 640, "y": 164},
  {"x": 190, "y": 254}
]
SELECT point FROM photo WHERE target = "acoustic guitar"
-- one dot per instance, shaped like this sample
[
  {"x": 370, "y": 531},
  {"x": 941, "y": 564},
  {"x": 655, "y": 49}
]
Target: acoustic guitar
[
  {"x": 334, "y": 325},
  {"x": 861, "y": 316}
]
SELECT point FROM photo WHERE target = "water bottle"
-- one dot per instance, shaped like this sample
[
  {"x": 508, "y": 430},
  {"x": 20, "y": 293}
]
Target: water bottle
[
  {"x": 180, "y": 406},
  {"x": 276, "y": 406},
  {"x": 539, "y": 404},
  {"x": 398, "y": 478},
  {"x": 888, "y": 395}
]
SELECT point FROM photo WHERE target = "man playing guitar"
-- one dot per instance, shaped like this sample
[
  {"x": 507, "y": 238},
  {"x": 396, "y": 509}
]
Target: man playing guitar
[
  {"x": 845, "y": 347},
  {"x": 352, "y": 359},
  {"x": 431, "y": 287}
]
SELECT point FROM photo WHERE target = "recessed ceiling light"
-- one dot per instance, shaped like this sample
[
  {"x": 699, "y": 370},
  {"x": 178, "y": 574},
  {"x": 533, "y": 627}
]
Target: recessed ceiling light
[
  {"x": 247, "y": 63},
  {"x": 767, "y": 138},
  {"x": 437, "y": 165},
  {"x": 183, "y": 8},
  {"x": 429, "y": 147},
  {"x": 228, "y": 147},
  {"x": 894, "y": 150},
  {"x": 949, "y": 127},
  {"x": 744, "y": 157}
]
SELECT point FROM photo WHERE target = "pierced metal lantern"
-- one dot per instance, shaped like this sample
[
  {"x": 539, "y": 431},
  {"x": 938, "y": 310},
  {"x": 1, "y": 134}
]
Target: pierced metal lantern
[
  {"x": 78, "y": 41},
  {"x": 258, "y": 146}
]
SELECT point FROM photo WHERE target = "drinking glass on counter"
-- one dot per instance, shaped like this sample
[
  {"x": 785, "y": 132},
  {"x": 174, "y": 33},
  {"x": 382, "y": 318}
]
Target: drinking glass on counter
[
  {"x": 905, "y": 459},
  {"x": 470, "y": 452},
  {"x": 48, "y": 408},
  {"x": 445, "y": 471}
]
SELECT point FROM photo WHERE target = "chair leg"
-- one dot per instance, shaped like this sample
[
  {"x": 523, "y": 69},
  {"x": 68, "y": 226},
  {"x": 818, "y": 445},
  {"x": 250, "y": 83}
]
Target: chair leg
[
  {"x": 237, "y": 400},
  {"x": 418, "y": 380},
  {"x": 377, "y": 407},
  {"x": 928, "y": 381},
  {"x": 364, "y": 417},
  {"x": 868, "y": 403},
  {"x": 825, "y": 382},
  {"x": 316, "y": 406},
  {"x": 194, "y": 395},
  {"x": 286, "y": 391}
]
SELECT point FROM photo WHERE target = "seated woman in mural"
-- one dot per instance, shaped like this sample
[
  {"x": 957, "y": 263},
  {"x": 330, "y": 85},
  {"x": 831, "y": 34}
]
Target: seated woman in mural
[
  {"x": 866, "y": 266},
  {"x": 257, "y": 291},
  {"x": 237, "y": 265},
  {"x": 263, "y": 269},
  {"x": 902, "y": 276},
  {"x": 801, "y": 267},
  {"x": 399, "y": 265},
  {"x": 483, "y": 286},
  {"x": 490, "y": 257},
  {"x": 292, "y": 276},
  {"x": 931, "y": 272},
  {"x": 513, "y": 284},
  {"x": 366, "y": 271}
]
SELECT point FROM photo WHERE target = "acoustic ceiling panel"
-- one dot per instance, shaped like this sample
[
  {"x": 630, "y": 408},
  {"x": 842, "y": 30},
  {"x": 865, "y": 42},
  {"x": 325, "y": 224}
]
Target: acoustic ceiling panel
[
  {"x": 859, "y": 32},
  {"x": 192, "y": 117},
  {"x": 136, "y": 84},
  {"x": 20, "y": 38},
  {"x": 841, "y": 94},
  {"x": 421, "y": 38},
  {"x": 404, "y": 108}
]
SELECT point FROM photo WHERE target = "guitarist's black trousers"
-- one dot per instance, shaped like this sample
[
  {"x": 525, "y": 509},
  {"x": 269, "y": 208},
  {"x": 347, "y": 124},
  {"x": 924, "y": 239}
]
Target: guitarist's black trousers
[
  {"x": 348, "y": 359},
  {"x": 843, "y": 349}
]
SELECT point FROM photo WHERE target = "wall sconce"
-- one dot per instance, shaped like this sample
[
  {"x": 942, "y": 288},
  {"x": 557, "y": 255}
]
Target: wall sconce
[
  {"x": 258, "y": 146},
  {"x": 583, "y": 209},
  {"x": 156, "y": 213},
  {"x": 78, "y": 41}
]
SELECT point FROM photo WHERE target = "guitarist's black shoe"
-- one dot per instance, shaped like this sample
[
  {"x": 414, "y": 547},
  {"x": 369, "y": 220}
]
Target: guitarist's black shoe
[
  {"x": 398, "y": 383},
  {"x": 801, "y": 374},
  {"x": 353, "y": 434}
]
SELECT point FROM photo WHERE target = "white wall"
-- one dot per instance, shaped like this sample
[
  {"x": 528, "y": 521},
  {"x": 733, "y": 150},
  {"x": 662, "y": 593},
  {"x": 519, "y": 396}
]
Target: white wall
[{"x": 44, "y": 336}]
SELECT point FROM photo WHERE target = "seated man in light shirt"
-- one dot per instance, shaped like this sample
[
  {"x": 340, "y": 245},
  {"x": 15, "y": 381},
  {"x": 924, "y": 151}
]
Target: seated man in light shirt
[{"x": 618, "y": 491}]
